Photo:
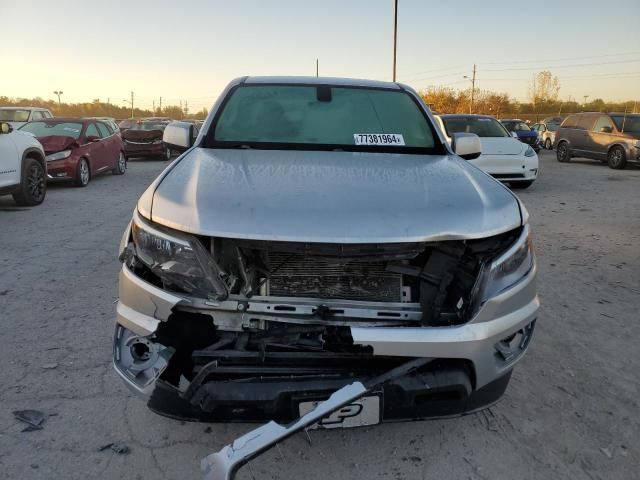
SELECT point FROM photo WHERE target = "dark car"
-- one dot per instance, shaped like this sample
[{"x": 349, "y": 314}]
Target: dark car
[
  {"x": 613, "y": 138},
  {"x": 77, "y": 149},
  {"x": 144, "y": 139},
  {"x": 127, "y": 123},
  {"x": 524, "y": 133}
]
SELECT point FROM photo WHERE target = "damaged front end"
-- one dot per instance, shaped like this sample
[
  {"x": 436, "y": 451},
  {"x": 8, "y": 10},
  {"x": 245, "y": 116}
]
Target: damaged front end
[{"x": 219, "y": 329}]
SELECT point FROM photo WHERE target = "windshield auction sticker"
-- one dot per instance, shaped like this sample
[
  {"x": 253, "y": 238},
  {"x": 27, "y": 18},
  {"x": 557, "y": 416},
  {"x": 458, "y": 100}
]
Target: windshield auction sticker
[{"x": 378, "y": 139}]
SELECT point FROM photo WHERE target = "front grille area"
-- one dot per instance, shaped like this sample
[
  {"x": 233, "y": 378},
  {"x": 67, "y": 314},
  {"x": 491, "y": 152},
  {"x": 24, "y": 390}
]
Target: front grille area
[
  {"x": 530, "y": 140},
  {"x": 298, "y": 275}
]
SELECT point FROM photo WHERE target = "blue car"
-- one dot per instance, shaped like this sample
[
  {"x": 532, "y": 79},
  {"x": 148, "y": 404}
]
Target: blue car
[{"x": 524, "y": 133}]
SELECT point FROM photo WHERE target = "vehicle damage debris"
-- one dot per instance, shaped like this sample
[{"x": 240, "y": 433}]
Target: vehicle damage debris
[
  {"x": 224, "y": 464},
  {"x": 119, "y": 448},
  {"x": 33, "y": 418}
]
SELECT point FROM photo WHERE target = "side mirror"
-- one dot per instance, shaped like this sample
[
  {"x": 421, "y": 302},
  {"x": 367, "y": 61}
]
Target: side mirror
[
  {"x": 606, "y": 129},
  {"x": 179, "y": 136},
  {"x": 466, "y": 145},
  {"x": 514, "y": 134},
  {"x": 92, "y": 138},
  {"x": 5, "y": 128}
]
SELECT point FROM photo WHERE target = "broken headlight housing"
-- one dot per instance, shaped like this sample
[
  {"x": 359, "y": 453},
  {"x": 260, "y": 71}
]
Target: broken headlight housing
[
  {"x": 511, "y": 266},
  {"x": 179, "y": 260}
]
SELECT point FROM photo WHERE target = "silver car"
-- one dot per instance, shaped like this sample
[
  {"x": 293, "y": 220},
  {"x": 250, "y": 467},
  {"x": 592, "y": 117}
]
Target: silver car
[{"x": 321, "y": 255}]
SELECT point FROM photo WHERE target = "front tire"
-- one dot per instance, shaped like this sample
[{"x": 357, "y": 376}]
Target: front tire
[
  {"x": 83, "y": 173},
  {"x": 562, "y": 152},
  {"x": 121, "y": 165},
  {"x": 616, "y": 158},
  {"x": 547, "y": 144},
  {"x": 521, "y": 185},
  {"x": 33, "y": 186}
]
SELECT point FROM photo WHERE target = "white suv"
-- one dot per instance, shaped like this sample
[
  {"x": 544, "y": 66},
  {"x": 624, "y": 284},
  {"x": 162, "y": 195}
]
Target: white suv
[
  {"x": 23, "y": 170},
  {"x": 18, "y": 116}
]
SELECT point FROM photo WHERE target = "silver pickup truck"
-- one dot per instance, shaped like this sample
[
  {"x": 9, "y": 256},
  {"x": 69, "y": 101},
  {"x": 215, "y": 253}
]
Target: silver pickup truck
[{"x": 320, "y": 255}]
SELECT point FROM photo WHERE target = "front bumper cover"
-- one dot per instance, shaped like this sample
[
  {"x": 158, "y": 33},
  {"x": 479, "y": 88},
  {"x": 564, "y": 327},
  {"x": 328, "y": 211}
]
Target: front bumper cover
[{"x": 142, "y": 307}]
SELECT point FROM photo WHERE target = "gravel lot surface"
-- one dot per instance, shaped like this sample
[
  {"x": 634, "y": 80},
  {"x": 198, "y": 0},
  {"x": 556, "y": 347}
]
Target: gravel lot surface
[{"x": 571, "y": 411}]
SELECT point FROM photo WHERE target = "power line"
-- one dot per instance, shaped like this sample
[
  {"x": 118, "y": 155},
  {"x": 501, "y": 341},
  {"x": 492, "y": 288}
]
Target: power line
[
  {"x": 562, "y": 66},
  {"x": 561, "y": 59},
  {"x": 457, "y": 67}
]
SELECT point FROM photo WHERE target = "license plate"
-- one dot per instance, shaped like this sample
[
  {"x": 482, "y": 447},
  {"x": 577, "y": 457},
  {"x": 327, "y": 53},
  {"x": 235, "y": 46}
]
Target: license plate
[
  {"x": 362, "y": 412},
  {"x": 380, "y": 139}
]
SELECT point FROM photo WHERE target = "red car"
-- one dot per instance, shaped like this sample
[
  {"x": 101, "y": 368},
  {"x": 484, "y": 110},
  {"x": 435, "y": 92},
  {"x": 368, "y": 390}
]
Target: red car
[
  {"x": 78, "y": 148},
  {"x": 144, "y": 139}
]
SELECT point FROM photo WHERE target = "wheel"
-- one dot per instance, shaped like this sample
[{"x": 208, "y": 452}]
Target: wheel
[
  {"x": 521, "y": 185},
  {"x": 616, "y": 158},
  {"x": 562, "y": 152},
  {"x": 166, "y": 154},
  {"x": 33, "y": 186},
  {"x": 121, "y": 165},
  {"x": 83, "y": 173},
  {"x": 547, "y": 144}
]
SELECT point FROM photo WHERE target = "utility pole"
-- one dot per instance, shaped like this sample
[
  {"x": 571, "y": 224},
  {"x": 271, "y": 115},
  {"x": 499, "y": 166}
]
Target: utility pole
[
  {"x": 131, "y": 102},
  {"x": 316, "y": 67},
  {"x": 473, "y": 87},
  {"x": 58, "y": 93},
  {"x": 154, "y": 106},
  {"x": 585, "y": 100},
  {"x": 395, "y": 36},
  {"x": 160, "y": 105},
  {"x": 186, "y": 108}
]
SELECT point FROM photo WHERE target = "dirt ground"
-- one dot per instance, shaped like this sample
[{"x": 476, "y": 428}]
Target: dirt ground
[{"x": 570, "y": 412}]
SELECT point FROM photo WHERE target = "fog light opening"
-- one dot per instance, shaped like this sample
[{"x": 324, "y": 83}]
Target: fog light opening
[
  {"x": 511, "y": 347},
  {"x": 140, "y": 350}
]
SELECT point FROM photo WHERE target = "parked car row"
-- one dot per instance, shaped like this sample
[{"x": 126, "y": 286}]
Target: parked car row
[{"x": 36, "y": 148}]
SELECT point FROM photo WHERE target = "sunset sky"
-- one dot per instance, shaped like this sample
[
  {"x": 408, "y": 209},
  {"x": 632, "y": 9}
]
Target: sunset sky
[{"x": 188, "y": 50}]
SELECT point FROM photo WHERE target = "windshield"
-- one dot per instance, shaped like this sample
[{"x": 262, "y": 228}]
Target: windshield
[
  {"x": 322, "y": 117},
  {"x": 516, "y": 126},
  {"x": 631, "y": 124},
  {"x": 42, "y": 129},
  {"x": 149, "y": 126},
  {"x": 14, "y": 115},
  {"x": 481, "y": 126}
]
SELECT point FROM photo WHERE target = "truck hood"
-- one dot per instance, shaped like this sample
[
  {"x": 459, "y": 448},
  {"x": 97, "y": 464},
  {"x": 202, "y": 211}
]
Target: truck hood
[
  {"x": 501, "y": 146},
  {"x": 332, "y": 197}
]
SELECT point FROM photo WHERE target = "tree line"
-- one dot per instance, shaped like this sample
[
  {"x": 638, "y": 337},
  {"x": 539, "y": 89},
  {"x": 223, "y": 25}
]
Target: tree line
[
  {"x": 96, "y": 108},
  {"x": 543, "y": 100}
]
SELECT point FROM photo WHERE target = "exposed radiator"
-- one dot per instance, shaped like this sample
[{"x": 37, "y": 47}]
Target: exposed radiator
[{"x": 298, "y": 275}]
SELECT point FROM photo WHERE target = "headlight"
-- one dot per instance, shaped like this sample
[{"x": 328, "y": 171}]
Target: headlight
[
  {"x": 180, "y": 260},
  {"x": 506, "y": 270},
  {"x": 58, "y": 156},
  {"x": 529, "y": 152},
  {"x": 157, "y": 142}
]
